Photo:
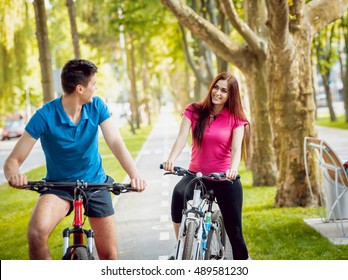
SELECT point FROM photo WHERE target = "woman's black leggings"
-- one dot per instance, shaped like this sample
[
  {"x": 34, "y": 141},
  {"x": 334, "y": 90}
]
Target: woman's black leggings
[{"x": 230, "y": 199}]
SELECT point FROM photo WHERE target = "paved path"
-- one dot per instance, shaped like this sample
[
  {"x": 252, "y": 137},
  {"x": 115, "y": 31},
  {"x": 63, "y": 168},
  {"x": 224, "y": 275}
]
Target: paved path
[
  {"x": 143, "y": 220},
  {"x": 35, "y": 159},
  {"x": 334, "y": 232},
  {"x": 337, "y": 139}
]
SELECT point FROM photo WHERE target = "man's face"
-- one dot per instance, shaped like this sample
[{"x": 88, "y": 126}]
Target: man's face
[{"x": 89, "y": 90}]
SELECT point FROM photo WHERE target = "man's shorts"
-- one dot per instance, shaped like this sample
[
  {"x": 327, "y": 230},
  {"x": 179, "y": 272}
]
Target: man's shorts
[{"x": 97, "y": 204}]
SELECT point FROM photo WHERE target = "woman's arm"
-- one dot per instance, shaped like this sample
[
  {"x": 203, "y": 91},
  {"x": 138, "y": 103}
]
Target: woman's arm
[
  {"x": 236, "y": 152},
  {"x": 179, "y": 144},
  {"x": 115, "y": 142}
]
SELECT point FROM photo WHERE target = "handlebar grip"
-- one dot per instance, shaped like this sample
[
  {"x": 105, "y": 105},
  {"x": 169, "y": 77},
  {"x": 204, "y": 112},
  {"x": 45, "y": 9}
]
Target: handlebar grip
[
  {"x": 176, "y": 168},
  {"x": 119, "y": 188}
]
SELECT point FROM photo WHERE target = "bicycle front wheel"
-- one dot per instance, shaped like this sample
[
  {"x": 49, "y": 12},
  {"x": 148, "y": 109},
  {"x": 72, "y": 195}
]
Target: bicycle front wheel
[
  {"x": 216, "y": 238},
  {"x": 81, "y": 253},
  {"x": 78, "y": 253},
  {"x": 189, "y": 241}
]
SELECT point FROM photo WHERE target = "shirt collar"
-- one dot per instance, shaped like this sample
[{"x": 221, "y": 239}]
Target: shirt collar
[
  {"x": 64, "y": 119},
  {"x": 224, "y": 112}
]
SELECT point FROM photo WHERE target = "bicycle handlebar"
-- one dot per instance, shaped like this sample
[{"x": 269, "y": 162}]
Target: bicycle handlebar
[
  {"x": 179, "y": 171},
  {"x": 41, "y": 186}
]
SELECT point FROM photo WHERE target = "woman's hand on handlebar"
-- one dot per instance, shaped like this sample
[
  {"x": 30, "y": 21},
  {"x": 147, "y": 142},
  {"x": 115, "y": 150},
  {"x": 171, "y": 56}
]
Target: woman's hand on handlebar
[
  {"x": 231, "y": 174},
  {"x": 168, "y": 165},
  {"x": 139, "y": 184},
  {"x": 18, "y": 181}
]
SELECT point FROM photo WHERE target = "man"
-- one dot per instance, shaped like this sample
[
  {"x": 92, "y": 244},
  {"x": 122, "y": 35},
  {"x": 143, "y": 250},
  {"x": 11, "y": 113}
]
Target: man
[{"x": 68, "y": 131}]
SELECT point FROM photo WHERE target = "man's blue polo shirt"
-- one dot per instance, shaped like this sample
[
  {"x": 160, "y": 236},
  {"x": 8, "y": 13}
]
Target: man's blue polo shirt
[{"x": 71, "y": 150}]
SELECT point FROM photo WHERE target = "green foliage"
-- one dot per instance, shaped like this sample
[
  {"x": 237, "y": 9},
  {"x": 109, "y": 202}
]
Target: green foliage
[
  {"x": 326, "y": 43},
  {"x": 155, "y": 33},
  {"x": 15, "y": 21},
  {"x": 141, "y": 18},
  {"x": 60, "y": 41}
]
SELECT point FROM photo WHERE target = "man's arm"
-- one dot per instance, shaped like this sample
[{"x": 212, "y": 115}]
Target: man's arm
[
  {"x": 16, "y": 158},
  {"x": 115, "y": 142}
]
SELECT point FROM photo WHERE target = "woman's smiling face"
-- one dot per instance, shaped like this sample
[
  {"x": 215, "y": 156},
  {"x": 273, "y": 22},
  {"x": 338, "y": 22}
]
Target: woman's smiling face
[{"x": 219, "y": 94}]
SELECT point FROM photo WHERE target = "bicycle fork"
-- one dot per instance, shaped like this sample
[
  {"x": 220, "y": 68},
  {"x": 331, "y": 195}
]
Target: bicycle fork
[
  {"x": 78, "y": 238},
  {"x": 192, "y": 214},
  {"x": 77, "y": 230}
]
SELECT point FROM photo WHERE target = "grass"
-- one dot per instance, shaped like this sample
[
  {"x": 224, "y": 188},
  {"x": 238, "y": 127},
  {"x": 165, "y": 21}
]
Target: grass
[
  {"x": 280, "y": 233},
  {"x": 270, "y": 233},
  {"x": 324, "y": 120}
]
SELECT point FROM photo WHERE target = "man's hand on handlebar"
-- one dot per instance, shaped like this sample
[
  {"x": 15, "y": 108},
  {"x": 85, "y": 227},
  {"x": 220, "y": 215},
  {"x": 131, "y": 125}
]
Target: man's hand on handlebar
[
  {"x": 17, "y": 181},
  {"x": 139, "y": 184}
]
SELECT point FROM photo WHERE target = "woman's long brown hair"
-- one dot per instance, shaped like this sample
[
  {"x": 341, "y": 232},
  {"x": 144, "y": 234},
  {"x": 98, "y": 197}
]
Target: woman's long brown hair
[{"x": 233, "y": 104}]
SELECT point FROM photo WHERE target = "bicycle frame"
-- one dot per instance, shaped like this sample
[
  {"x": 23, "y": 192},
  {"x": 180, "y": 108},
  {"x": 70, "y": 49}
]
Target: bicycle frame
[
  {"x": 202, "y": 233},
  {"x": 201, "y": 217},
  {"x": 77, "y": 231}
]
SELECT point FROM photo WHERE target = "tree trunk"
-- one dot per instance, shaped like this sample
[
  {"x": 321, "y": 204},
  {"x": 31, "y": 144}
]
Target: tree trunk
[
  {"x": 328, "y": 96},
  {"x": 344, "y": 65},
  {"x": 74, "y": 34},
  {"x": 345, "y": 93},
  {"x": 222, "y": 65},
  {"x": 146, "y": 84},
  {"x": 133, "y": 98},
  {"x": 291, "y": 108},
  {"x": 263, "y": 161},
  {"x": 44, "y": 50}
]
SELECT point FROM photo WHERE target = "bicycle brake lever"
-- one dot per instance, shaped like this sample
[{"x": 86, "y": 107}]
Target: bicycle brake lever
[{"x": 218, "y": 176}]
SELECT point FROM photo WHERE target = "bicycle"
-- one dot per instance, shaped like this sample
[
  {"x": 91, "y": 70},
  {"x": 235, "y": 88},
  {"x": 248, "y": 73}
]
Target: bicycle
[
  {"x": 82, "y": 239},
  {"x": 202, "y": 233}
]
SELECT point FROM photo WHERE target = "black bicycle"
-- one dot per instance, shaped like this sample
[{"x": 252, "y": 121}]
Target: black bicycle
[
  {"x": 77, "y": 241},
  {"x": 202, "y": 233}
]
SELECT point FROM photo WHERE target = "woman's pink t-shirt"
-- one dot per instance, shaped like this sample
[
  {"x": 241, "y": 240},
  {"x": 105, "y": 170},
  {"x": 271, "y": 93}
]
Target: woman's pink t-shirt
[{"x": 214, "y": 155}]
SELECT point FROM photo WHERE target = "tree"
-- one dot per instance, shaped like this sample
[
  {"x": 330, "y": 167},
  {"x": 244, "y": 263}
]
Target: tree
[
  {"x": 327, "y": 56},
  {"x": 15, "y": 47},
  {"x": 44, "y": 50},
  {"x": 74, "y": 33},
  {"x": 199, "y": 57},
  {"x": 344, "y": 62},
  {"x": 275, "y": 58},
  {"x": 140, "y": 22}
]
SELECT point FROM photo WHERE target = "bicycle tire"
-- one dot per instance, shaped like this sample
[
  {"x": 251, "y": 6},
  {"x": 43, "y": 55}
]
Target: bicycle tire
[
  {"x": 78, "y": 253},
  {"x": 216, "y": 242},
  {"x": 189, "y": 240},
  {"x": 81, "y": 253}
]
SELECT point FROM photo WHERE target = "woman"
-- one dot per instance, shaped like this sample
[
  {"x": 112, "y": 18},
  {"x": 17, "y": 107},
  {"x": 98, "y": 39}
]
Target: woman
[{"x": 219, "y": 126}]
